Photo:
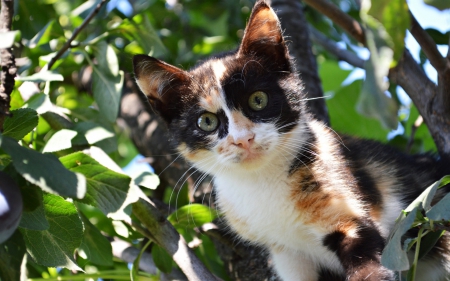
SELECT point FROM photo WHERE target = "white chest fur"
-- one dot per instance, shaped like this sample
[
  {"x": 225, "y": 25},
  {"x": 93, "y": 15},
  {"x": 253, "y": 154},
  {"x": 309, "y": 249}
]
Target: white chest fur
[{"x": 260, "y": 209}]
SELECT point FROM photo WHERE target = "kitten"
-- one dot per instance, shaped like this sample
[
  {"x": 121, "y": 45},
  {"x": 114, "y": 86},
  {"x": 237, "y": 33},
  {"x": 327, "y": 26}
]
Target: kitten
[{"x": 322, "y": 204}]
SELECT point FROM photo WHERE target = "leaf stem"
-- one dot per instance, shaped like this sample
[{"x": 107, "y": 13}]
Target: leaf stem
[{"x": 412, "y": 274}]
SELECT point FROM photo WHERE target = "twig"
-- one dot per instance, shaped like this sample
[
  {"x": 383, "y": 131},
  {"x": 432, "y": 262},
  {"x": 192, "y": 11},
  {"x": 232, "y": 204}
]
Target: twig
[
  {"x": 428, "y": 45},
  {"x": 330, "y": 10},
  {"x": 331, "y": 46},
  {"x": 414, "y": 128},
  {"x": 75, "y": 33},
  {"x": 8, "y": 68}
]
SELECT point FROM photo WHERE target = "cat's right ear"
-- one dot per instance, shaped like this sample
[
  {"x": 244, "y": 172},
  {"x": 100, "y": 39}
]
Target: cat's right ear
[{"x": 160, "y": 82}]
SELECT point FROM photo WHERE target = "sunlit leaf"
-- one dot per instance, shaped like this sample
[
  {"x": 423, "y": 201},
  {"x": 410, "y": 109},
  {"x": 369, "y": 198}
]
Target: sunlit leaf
[
  {"x": 22, "y": 121},
  {"x": 42, "y": 76},
  {"x": 192, "y": 215},
  {"x": 7, "y": 39},
  {"x": 61, "y": 140},
  {"x": 147, "y": 179},
  {"x": 106, "y": 189},
  {"x": 51, "y": 31}
]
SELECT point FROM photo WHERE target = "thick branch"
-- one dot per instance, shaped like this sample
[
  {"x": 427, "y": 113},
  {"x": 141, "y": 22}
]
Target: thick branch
[
  {"x": 76, "y": 32},
  {"x": 340, "y": 18},
  {"x": 8, "y": 67},
  {"x": 331, "y": 46},
  {"x": 428, "y": 45}
]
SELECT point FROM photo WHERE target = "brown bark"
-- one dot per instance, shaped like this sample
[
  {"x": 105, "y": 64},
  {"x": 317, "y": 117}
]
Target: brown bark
[{"x": 8, "y": 67}]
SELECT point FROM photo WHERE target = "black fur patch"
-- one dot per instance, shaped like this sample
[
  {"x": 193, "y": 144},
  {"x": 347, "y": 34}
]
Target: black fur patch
[
  {"x": 305, "y": 156},
  {"x": 248, "y": 76},
  {"x": 360, "y": 256}
]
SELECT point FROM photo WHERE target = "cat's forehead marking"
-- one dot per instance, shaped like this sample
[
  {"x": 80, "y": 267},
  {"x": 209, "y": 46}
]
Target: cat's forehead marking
[{"x": 219, "y": 69}]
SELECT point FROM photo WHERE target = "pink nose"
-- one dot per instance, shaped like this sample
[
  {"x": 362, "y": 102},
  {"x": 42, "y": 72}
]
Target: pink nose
[{"x": 244, "y": 141}]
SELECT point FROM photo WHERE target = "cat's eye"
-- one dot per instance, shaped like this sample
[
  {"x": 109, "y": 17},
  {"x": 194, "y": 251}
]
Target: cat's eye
[
  {"x": 208, "y": 122},
  {"x": 258, "y": 100}
]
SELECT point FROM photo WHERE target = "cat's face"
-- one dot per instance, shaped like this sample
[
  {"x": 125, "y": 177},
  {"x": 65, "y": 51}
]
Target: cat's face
[{"x": 232, "y": 111}]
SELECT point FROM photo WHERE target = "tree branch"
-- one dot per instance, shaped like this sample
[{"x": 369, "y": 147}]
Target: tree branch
[
  {"x": 126, "y": 252},
  {"x": 331, "y": 46},
  {"x": 428, "y": 45},
  {"x": 8, "y": 67},
  {"x": 163, "y": 233},
  {"x": 75, "y": 33},
  {"x": 332, "y": 11}
]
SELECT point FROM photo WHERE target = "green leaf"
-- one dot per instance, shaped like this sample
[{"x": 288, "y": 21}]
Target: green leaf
[
  {"x": 395, "y": 18},
  {"x": 94, "y": 134},
  {"x": 35, "y": 220},
  {"x": 439, "y": 37},
  {"x": 441, "y": 210},
  {"x": 95, "y": 247},
  {"x": 107, "y": 59},
  {"x": 61, "y": 140},
  {"x": 51, "y": 31},
  {"x": 23, "y": 121},
  {"x": 107, "y": 91},
  {"x": 394, "y": 255},
  {"x": 135, "y": 270},
  {"x": 106, "y": 189},
  {"x": 192, "y": 215},
  {"x": 42, "y": 76},
  {"x": 7, "y": 39},
  {"x": 423, "y": 201},
  {"x": 162, "y": 259},
  {"x": 439, "y": 4},
  {"x": 13, "y": 258},
  {"x": 345, "y": 118},
  {"x": 148, "y": 180},
  {"x": 44, "y": 170},
  {"x": 332, "y": 75},
  {"x": 428, "y": 242},
  {"x": 55, "y": 247},
  {"x": 39, "y": 102}
]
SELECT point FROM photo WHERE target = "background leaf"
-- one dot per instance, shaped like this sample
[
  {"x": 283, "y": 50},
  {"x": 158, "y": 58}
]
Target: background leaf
[{"x": 23, "y": 121}]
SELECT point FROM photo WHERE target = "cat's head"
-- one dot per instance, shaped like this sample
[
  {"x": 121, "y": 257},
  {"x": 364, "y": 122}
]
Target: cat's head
[{"x": 234, "y": 110}]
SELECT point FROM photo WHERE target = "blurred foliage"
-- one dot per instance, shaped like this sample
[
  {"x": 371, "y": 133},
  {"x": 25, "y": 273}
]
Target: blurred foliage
[{"x": 71, "y": 108}]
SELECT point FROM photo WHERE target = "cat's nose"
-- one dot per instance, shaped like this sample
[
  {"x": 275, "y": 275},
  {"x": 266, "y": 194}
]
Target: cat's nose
[{"x": 244, "y": 141}]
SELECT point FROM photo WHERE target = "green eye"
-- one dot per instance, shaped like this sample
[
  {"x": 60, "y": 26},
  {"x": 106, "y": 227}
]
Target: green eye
[
  {"x": 258, "y": 100},
  {"x": 208, "y": 122}
]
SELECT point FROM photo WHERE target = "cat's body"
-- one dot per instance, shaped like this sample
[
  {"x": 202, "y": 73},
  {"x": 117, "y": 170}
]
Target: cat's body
[{"x": 323, "y": 205}]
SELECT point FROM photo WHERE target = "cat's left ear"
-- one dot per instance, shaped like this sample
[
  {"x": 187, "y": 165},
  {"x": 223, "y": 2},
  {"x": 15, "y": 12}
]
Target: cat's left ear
[{"x": 263, "y": 36}]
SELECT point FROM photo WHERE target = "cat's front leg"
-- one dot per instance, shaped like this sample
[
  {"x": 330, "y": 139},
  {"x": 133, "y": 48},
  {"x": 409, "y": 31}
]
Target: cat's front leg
[
  {"x": 291, "y": 265},
  {"x": 360, "y": 254}
]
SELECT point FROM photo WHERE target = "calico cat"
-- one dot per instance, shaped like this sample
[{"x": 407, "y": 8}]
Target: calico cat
[{"x": 323, "y": 205}]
